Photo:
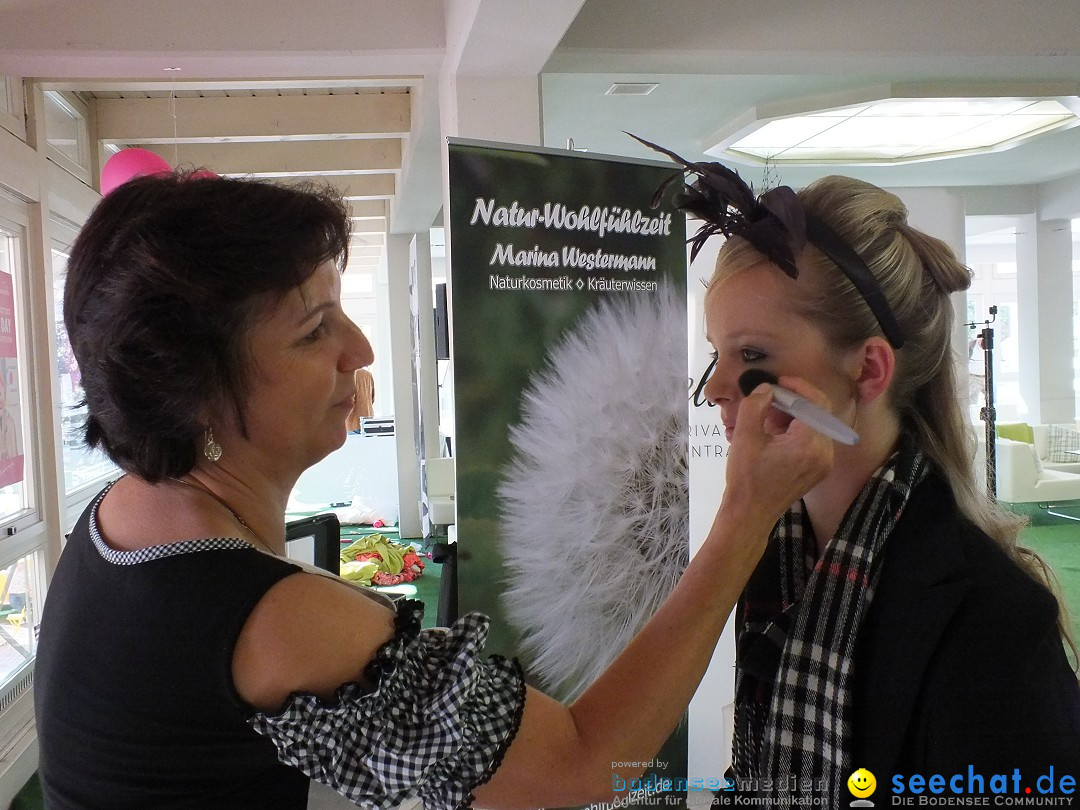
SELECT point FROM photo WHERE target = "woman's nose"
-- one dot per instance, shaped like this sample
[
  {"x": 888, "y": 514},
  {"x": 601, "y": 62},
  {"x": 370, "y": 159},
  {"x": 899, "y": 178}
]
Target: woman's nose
[
  {"x": 358, "y": 353},
  {"x": 717, "y": 388}
]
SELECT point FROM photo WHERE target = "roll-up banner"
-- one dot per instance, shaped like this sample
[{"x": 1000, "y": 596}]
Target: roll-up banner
[{"x": 576, "y": 427}]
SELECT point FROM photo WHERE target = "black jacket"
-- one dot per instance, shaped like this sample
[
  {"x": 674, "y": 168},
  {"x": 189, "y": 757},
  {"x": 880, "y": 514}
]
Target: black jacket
[{"x": 960, "y": 664}]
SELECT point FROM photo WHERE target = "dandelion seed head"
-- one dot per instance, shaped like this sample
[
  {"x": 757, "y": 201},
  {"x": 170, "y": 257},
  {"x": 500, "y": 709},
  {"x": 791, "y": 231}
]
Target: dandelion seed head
[{"x": 594, "y": 503}]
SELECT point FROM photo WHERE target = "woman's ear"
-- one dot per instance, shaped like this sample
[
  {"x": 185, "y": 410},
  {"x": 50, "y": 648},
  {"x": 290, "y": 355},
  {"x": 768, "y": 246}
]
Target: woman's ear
[{"x": 876, "y": 364}]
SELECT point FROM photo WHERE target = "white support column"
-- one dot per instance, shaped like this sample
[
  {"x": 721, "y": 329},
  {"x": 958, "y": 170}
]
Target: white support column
[
  {"x": 1027, "y": 314},
  {"x": 384, "y": 358},
  {"x": 494, "y": 109},
  {"x": 940, "y": 212},
  {"x": 397, "y": 276},
  {"x": 1057, "y": 398},
  {"x": 425, "y": 368},
  {"x": 482, "y": 107},
  {"x": 1045, "y": 301}
]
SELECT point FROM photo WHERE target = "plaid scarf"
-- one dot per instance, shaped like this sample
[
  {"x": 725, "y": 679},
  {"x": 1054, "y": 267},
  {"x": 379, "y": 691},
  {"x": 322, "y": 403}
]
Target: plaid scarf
[{"x": 799, "y": 623}]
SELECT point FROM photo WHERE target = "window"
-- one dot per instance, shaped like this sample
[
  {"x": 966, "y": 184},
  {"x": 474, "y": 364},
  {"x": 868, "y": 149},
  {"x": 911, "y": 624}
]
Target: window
[
  {"x": 23, "y": 533},
  {"x": 21, "y": 586},
  {"x": 67, "y": 133},
  {"x": 83, "y": 468},
  {"x": 14, "y": 453},
  {"x": 991, "y": 254},
  {"x": 12, "y": 115},
  {"x": 1076, "y": 312}
]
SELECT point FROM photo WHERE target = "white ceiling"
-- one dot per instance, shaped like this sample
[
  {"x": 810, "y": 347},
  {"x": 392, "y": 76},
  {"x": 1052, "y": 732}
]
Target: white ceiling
[{"x": 714, "y": 60}]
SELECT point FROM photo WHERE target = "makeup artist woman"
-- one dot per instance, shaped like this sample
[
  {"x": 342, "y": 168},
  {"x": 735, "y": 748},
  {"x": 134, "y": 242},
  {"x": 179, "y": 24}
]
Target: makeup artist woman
[{"x": 184, "y": 663}]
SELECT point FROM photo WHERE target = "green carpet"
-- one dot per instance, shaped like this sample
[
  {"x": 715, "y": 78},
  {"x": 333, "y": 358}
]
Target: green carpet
[
  {"x": 30, "y": 797},
  {"x": 1057, "y": 541}
]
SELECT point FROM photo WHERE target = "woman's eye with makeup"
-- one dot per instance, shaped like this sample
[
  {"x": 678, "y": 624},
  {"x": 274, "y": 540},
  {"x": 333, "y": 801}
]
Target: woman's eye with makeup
[
  {"x": 315, "y": 333},
  {"x": 752, "y": 355}
]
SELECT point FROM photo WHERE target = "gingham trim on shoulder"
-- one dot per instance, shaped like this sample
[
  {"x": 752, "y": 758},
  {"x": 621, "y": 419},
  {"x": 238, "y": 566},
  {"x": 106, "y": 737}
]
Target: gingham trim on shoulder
[
  {"x": 156, "y": 552},
  {"x": 434, "y": 725}
]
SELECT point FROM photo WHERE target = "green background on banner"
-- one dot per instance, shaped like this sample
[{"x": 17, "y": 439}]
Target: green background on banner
[{"x": 501, "y": 337}]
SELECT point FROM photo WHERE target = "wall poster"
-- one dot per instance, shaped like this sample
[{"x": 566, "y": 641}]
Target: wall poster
[
  {"x": 11, "y": 452},
  {"x": 569, "y": 324}
]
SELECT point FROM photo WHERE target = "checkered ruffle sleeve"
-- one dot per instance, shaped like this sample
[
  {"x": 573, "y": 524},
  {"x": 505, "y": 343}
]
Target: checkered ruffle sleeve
[{"x": 434, "y": 726}]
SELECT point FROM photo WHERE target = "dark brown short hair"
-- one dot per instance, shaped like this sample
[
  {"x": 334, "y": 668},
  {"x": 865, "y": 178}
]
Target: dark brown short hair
[{"x": 163, "y": 284}]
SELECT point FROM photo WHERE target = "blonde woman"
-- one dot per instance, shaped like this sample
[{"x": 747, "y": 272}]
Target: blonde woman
[{"x": 893, "y": 624}]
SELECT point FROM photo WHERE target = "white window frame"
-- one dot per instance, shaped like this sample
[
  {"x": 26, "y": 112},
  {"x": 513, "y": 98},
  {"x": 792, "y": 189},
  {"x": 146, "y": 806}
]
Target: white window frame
[
  {"x": 25, "y": 532},
  {"x": 81, "y": 113},
  {"x": 62, "y": 233},
  {"x": 15, "y": 218},
  {"x": 13, "y": 114}
]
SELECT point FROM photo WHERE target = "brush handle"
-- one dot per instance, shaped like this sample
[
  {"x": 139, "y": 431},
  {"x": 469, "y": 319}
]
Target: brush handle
[{"x": 798, "y": 407}]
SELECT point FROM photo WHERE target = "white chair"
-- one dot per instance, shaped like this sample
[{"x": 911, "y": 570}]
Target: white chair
[
  {"x": 1021, "y": 478},
  {"x": 439, "y": 509},
  {"x": 440, "y": 488}
]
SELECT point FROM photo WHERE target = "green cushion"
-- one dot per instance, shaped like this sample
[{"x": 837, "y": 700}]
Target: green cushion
[{"x": 1017, "y": 431}]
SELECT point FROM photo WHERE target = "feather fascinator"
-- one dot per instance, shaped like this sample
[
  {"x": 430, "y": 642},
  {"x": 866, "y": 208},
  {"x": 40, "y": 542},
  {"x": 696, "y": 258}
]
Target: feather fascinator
[{"x": 775, "y": 223}]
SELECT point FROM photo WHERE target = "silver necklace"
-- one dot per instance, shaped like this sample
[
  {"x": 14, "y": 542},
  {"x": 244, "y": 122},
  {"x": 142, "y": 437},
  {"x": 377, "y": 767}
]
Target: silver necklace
[{"x": 221, "y": 501}]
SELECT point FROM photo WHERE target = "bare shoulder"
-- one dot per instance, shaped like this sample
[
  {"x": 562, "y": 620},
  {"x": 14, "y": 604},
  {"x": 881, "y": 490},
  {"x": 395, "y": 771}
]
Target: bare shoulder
[{"x": 309, "y": 633}]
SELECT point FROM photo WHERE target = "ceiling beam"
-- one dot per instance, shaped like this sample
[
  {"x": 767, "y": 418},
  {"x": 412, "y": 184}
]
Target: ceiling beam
[
  {"x": 290, "y": 157},
  {"x": 367, "y": 239},
  {"x": 367, "y": 209},
  {"x": 496, "y": 38},
  {"x": 368, "y": 228},
  {"x": 105, "y": 85},
  {"x": 240, "y": 118},
  {"x": 356, "y": 187},
  {"x": 361, "y": 261}
]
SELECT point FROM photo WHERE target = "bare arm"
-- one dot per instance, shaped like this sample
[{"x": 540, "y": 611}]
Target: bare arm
[{"x": 562, "y": 755}]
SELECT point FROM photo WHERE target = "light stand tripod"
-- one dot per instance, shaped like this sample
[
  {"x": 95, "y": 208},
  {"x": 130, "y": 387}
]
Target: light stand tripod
[{"x": 987, "y": 413}]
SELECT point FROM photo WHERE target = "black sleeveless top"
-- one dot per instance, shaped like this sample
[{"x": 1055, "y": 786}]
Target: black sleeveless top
[{"x": 113, "y": 731}]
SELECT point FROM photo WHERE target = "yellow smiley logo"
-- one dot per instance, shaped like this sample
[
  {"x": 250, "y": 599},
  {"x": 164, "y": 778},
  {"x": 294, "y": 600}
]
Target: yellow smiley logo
[{"x": 861, "y": 783}]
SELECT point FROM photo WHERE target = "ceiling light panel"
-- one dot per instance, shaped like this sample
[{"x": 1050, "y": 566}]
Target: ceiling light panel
[{"x": 897, "y": 130}]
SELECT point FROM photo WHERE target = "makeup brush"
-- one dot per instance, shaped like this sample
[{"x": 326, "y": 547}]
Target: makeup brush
[{"x": 798, "y": 407}]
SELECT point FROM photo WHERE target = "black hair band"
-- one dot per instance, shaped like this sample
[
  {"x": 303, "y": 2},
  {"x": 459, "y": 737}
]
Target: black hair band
[{"x": 833, "y": 245}]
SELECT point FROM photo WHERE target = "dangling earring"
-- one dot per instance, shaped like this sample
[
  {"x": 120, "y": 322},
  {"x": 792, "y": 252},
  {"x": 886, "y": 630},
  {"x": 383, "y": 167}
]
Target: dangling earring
[{"x": 211, "y": 449}]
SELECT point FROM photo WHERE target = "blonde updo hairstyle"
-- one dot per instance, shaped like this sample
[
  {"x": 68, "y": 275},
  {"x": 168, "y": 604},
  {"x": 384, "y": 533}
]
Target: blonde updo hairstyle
[{"x": 916, "y": 273}]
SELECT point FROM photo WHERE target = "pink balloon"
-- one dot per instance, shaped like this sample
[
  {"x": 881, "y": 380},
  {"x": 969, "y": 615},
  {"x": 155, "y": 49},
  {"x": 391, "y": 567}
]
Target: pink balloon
[
  {"x": 203, "y": 174},
  {"x": 128, "y": 164}
]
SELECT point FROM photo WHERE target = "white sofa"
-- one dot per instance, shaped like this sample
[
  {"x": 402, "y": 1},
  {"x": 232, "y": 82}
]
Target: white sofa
[
  {"x": 1042, "y": 441},
  {"x": 1020, "y": 479}
]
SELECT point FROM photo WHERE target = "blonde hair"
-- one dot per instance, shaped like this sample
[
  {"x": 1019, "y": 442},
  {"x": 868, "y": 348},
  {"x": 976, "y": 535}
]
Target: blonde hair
[
  {"x": 917, "y": 273},
  {"x": 362, "y": 408}
]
